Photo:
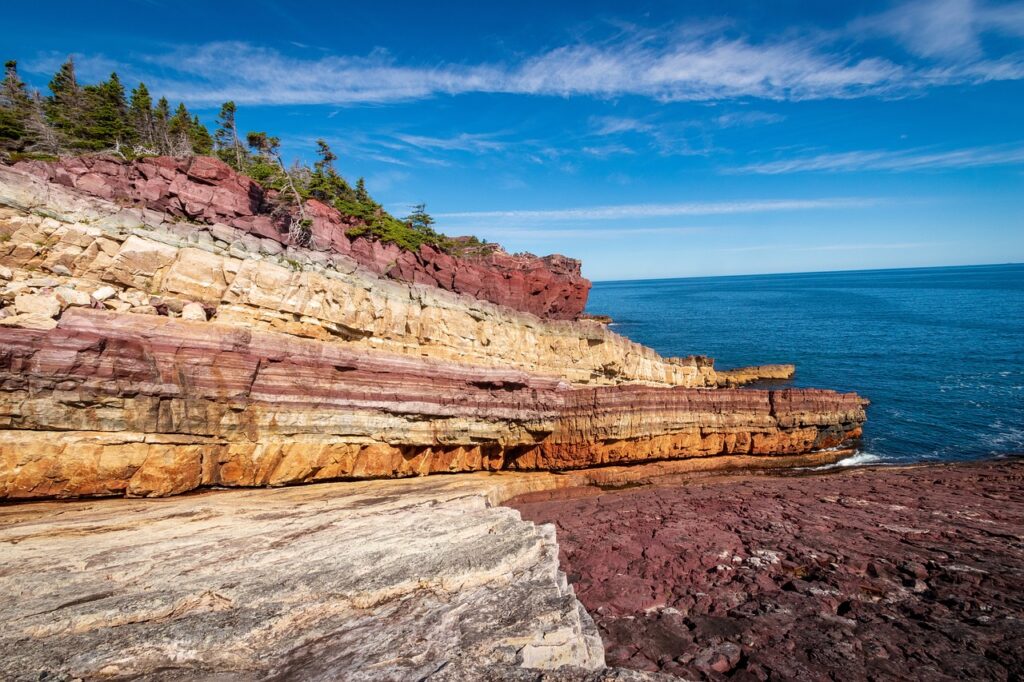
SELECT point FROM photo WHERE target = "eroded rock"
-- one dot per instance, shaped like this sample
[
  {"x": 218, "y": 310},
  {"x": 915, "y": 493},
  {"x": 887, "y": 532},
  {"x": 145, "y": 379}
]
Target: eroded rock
[
  {"x": 206, "y": 189},
  {"x": 879, "y": 573}
]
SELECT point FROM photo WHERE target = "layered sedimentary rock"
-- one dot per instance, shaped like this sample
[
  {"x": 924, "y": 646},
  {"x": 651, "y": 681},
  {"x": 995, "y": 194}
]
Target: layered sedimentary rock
[
  {"x": 386, "y": 581},
  {"x": 156, "y": 264},
  {"x": 204, "y": 189},
  {"x": 141, "y": 355},
  {"x": 109, "y": 402}
]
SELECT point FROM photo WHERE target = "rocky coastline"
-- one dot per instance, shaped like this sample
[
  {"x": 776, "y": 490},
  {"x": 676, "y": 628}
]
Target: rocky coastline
[
  {"x": 147, "y": 355},
  {"x": 857, "y": 573},
  {"x": 162, "y": 334}
]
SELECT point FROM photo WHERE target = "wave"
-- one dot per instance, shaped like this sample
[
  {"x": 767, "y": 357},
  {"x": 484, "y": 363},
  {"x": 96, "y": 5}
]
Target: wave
[{"x": 857, "y": 459}]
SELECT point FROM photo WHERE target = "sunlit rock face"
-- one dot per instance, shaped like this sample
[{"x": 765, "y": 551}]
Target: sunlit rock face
[
  {"x": 110, "y": 403},
  {"x": 206, "y": 190},
  {"x": 144, "y": 356}
]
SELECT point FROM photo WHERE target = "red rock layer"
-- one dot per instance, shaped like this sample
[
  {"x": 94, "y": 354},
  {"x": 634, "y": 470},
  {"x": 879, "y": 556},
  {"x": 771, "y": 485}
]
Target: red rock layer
[
  {"x": 207, "y": 190},
  {"x": 865, "y": 574},
  {"x": 109, "y": 403}
]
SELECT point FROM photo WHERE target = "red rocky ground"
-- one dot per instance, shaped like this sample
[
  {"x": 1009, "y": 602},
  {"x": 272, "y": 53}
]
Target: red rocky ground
[{"x": 883, "y": 573}]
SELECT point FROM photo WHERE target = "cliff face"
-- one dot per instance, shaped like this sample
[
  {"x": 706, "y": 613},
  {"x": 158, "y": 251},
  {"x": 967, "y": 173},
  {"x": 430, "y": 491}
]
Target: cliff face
[
  {"x": 206, "y": 190},
  {"x": 140, "y": 355},
  {"x": 154, "y": 263},
  {"x": 109, "y": 403}
]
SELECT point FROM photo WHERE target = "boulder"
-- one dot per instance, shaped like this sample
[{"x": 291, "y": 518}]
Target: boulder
[
  {"x": 193, "y": 311},
  {"x": 45, "y": 305}
]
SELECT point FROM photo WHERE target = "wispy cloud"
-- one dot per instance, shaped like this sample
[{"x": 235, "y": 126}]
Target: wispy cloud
[
  {"x": 855, "y": 246},
  {"x": 945, "y": 29},
  {"x": 747, "y": 118},
  {"x": 613, "y": 125},
  {"x": 896, "y": 161},
  {"x": 539, "y": 234},
  {"x": 605, "y": 150},
  {"x": 694, "y": 62},
  {"x": 465, "y": 142},
  {"x": 629, "y": 211}
]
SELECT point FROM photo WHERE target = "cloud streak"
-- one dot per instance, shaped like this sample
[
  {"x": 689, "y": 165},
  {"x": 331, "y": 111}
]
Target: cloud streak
[
  {"x": 895, "y": 161},
  {"x": 834, "y": 247},
  {"x": 688, "y": 63},
  {"x": 630, "y": 211}
]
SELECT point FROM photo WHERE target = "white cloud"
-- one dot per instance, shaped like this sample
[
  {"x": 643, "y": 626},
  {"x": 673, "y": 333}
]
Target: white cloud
[
  {"x": 628, "y": 211},
  {"x": 855, "y": 246},
  {"x": 930, "y": 28},
  {"x": 605, "y": 150},
  {"x": 693, "y": 62},
  {"x": 945, "y": 29},
  {"x": 541, "y": 234},
  {"x": 748, "y": 118},
  {"x": 911, "y": 160},
  {"x": 613, "y": 125},
  {"x": 465, "y": 142}
]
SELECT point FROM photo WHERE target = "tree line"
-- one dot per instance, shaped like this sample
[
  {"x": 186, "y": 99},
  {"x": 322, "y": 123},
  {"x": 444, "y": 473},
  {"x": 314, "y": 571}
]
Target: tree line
[{"x": 103, "y": 118}]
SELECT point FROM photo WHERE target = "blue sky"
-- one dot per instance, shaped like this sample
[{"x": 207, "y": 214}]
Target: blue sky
[{"x": 650, "y": 139}]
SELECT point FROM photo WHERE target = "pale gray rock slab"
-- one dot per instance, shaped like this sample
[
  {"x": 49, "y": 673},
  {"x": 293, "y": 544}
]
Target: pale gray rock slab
[{"x": 394, "y": 580}]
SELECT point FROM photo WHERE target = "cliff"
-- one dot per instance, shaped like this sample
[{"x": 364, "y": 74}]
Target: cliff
[
  {"x": 144, "y": 355},
  {"x": 208, "y": 191},
  {"x": 108, "y": 403}
]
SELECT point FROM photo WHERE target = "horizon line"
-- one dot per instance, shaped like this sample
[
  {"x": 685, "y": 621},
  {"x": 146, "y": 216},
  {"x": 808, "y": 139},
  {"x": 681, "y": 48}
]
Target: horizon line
[{"x": 808, "y": 272}]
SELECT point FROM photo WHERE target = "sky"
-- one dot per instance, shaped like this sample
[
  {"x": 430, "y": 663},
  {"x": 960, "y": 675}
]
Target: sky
[{"x": 649, "y": 139}]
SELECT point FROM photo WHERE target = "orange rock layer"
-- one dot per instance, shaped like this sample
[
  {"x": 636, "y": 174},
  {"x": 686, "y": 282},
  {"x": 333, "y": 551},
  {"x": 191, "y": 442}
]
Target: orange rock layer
[{"x": 143, "y": 405}]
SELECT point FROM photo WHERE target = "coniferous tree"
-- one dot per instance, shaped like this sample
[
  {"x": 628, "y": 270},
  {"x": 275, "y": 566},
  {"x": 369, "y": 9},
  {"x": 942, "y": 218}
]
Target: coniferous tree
[
  {"x": 140, "y": 116},
  {"x": 419, "y": 219},
  {"x": 179, "y": 130},
  {"x": 15, "y": 110},
  {"x": 362, "y": 196},
  {"x": 325, "y": 183},
  {"x": 66, "y": 106},
  {"x": 106, "y": 116},
  {"x": 44, "y": 137},
  {"x": 229, "y": 147},
  {"x": 161, "y": 126},
  {"x": 202, "y": 141}
]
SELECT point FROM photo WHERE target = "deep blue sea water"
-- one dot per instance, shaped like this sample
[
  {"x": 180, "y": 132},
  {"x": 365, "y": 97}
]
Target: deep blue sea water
[{"x": 938, "y": 351}]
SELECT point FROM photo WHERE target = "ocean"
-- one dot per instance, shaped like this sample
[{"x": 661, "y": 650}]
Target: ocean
[{"x": 938, "y": 351}]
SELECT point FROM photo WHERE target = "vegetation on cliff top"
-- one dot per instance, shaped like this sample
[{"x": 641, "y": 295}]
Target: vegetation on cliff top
[{"x": 102, "y": 118}]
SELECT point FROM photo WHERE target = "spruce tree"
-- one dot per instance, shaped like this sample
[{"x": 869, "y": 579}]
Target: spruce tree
[
  {"x": 420, "y": 220},
  {"x": 44, "y": 137},
  {"x": 202, "y": 142},
  {"x": 140, "y": 116},
  {"x": 106, "y": 116},
  {"x": 229, "y": 147},
  {"x": 362, "y": 196},
  {"x": 15, "y": 110},
  {"x": 326, "y": 184},
  {"x": 65, "y": 108},
  {"x": 179, "y": 130},
  {"x": 161, "y": 126}
]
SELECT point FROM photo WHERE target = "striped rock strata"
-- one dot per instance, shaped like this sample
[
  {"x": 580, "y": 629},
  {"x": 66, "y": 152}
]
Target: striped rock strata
[
  {"x": 144, "y": 356},
  {"x": 109, "y": 403},
  {"x": 372, "y": 581},
  {"x": 207, "y": 190},
  {"x": 84, "y": 243}
]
